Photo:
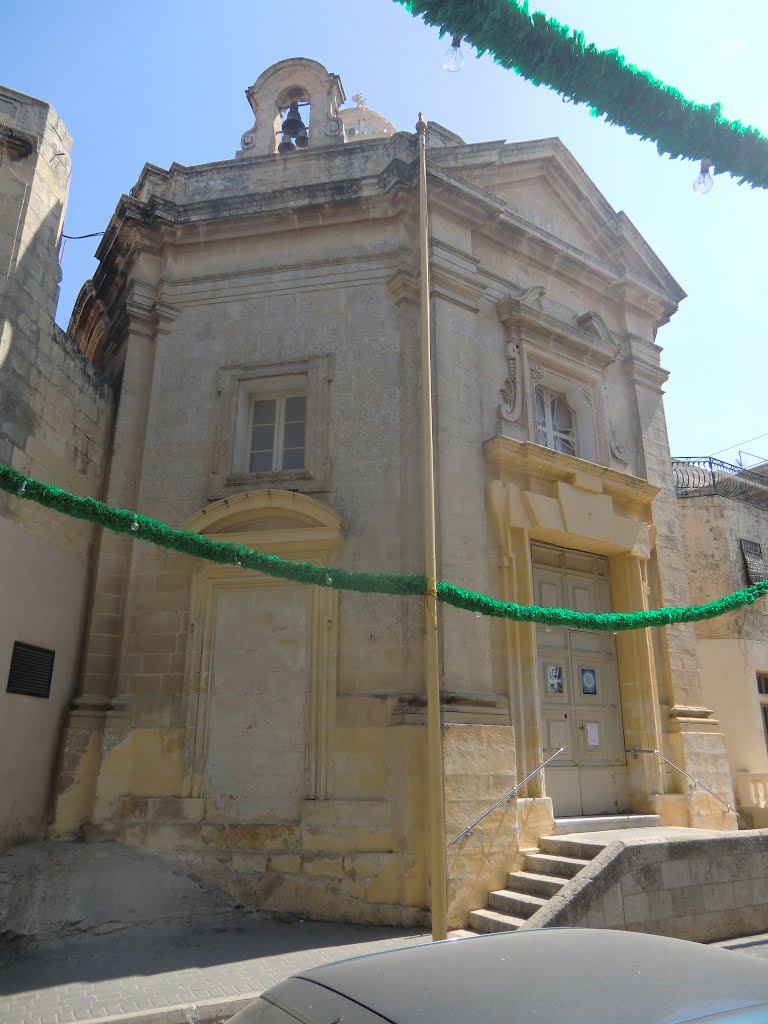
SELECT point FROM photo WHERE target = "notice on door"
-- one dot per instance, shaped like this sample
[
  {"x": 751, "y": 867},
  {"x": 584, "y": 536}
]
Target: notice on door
[{"x": 593, "y": 734}]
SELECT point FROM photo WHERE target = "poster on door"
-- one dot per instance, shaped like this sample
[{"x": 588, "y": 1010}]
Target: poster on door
[
  {"x": 554, "y": 678},
  {"x": 589, "y": 681}
]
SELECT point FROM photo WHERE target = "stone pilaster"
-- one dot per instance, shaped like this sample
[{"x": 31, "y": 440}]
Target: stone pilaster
[{"x": 98, "y": 713}]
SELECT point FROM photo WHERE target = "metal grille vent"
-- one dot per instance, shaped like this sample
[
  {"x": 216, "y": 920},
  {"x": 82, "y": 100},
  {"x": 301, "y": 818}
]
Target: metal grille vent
[
  {"x": 31, "y": 670},
  {"x": 757, "y": 567}
]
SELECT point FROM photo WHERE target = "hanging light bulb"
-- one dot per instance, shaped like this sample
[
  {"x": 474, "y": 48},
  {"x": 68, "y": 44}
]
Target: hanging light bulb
[
  {"x": 703, "y": 182},
  {"x": 454, "y": 58}
]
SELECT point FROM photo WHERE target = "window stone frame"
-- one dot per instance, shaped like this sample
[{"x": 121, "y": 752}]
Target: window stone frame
[
  {"x": 582, "y": 395},
  {"x": 238, "y": 384}
]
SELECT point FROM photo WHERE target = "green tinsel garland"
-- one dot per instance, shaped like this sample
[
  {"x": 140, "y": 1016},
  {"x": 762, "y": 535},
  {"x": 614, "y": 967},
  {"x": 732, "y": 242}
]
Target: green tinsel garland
[
  {"x": 225, "y": 553},
  {"x": 545, "y": 52}
]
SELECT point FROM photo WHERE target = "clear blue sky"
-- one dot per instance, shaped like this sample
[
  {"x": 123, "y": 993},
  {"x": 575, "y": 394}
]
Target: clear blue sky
[{"x": 162, "y": 81}]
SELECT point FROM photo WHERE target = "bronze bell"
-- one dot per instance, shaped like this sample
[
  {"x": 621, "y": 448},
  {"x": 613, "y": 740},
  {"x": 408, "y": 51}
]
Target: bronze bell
[
  {"x": 293, "y": 124},
  {"x": 286, "y": 145},
  {"x": 302, "y": 139}
]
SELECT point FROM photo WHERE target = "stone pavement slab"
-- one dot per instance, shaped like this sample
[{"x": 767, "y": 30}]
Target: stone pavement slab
[
  {"x": 659, "y": 834},
  {"x": 753, "y": 945},
  {"x": 175, "y": 974}
]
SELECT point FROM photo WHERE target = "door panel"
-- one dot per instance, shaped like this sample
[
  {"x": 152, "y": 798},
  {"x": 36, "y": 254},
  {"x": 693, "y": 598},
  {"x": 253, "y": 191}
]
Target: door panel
[
  {"x": 258, "y": 704},
  {"x": 578, "y": 687}
]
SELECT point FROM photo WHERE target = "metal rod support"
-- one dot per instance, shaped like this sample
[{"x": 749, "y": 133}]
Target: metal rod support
[
  {"x": 507, "y": 796},
  {"x": 691, "y": 778}
]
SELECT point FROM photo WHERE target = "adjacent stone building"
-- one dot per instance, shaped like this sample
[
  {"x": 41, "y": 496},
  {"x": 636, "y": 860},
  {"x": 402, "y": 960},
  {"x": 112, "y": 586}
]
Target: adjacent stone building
[
  {"x": 55, "y": 421},
  {"x": 725, "y": 522},
  {"x": 259, "y": 318}
]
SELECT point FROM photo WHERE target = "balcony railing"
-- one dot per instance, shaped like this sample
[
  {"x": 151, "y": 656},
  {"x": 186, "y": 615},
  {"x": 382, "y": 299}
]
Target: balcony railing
[
  {"x": 752, "y": 789},
  {"x": 698, "y": 477}
]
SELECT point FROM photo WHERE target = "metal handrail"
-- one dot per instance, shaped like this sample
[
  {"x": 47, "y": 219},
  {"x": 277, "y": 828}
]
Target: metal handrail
[
  {"x": 507, "y": 796},
  {"x": 695, "y": 781},
  {"x": 698, "y": 477}
]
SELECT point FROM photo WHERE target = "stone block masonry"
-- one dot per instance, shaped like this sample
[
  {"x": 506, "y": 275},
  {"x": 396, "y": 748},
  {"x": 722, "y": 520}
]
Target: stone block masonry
[
  {"x": 55, "y": 420},
  {"x": 701, "y": 887}
]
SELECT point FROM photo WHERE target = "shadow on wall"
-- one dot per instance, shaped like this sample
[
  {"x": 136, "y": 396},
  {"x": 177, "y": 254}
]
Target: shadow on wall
[
  {"x": 115, "y": 911},
  {"x": 55, "y": 422}
]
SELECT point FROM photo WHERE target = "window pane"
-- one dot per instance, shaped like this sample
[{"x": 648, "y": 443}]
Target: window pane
[
  {"x": 293, "y": 458},
  {"x": 564, "y": 444},
  {"x": 262, "y": 439},
  {"x": 541, "y": 418},
  {"x": 541, "y": 414},
  {"x": 264, "y": 411},
  {"x": 261, "y": 462},
  {"x": 561, "y": 414},
  {"x": 295, "y": 409},
  {"x": 294, "y": 435}
]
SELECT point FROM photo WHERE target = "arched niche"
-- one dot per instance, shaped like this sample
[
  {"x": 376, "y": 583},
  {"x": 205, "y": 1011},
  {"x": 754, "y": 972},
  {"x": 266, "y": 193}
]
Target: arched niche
[
  {"x": 279, "y": 522},
  {"x": 260, "y": 680}
]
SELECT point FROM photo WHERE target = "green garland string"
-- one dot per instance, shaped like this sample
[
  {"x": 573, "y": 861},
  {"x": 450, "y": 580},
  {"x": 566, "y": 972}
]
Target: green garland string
[
  {"x": 121, "y": 520},
  {"x": 545, "y": 52}
]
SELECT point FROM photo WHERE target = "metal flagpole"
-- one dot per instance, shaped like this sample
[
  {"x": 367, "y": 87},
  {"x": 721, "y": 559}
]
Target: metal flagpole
[{"x": 431, "y": 655}]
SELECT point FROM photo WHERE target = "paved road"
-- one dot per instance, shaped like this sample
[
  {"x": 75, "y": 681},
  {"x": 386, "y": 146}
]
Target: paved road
[
  {"x": 185, "y": 975},
  {"x": 754, "y": 945},
  {"x": 150, "y": 968}
]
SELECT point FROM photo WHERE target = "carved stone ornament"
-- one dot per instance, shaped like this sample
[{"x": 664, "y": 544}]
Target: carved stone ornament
[
  {"x": 594, "y": 324},
  {"x": 537, "y": 372},
  {"x": 586, "y": 393},
  {"x": 618, "y": 451},
  {"x": 533, "y": 296},
  {"x": 512, "y": 393}
]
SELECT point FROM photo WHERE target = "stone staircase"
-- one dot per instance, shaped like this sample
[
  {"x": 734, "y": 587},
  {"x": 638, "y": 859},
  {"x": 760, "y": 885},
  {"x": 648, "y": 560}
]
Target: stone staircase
[{"x": 547, "y": 869}]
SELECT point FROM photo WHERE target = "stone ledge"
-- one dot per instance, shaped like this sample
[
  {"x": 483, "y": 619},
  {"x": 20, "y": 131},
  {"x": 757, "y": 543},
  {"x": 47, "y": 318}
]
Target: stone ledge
[{"x": 702, "y": 887}]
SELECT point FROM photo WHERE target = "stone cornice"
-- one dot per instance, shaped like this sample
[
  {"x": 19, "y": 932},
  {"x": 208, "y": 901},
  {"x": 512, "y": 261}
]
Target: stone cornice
[
  {"x": 237, "y": 194},
  {"x": 393, "y": 268},
  {"x": 507, "y": 456},
  {"x": 16, "y": 140},
  {"x": 516, "y": 314},
  {"x": 643, "y": 362}
]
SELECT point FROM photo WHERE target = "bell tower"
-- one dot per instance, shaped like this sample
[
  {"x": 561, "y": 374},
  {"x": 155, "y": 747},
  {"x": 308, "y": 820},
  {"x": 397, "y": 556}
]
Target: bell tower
[{"x": 296, "y": 106}]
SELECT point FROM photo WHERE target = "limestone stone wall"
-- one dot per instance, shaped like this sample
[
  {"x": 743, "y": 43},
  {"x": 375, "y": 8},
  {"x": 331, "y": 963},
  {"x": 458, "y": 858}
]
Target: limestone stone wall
[
  {"x": 55, "y": 419},
  {"x": 480, "y": 767},
  {"x": 732, "y": 648},
  {"x": 216, "y": 280},
  {"x": 291, "y": 300},
  {"x": 714, "y": 528},
  {"x": 702, "y": 889}
]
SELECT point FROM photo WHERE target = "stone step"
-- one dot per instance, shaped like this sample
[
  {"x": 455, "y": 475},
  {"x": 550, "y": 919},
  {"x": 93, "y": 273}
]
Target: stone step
[
  {"x": 572, "y": 846},
  {"x": 490, "y": 921},
  {"x": 602, "y": 823},
  {"x": 534, "y": 883},
  {"x": 515, "y": 904},
  {"x": 550, "y": 864},
  {"x": 461, "y": 933}
]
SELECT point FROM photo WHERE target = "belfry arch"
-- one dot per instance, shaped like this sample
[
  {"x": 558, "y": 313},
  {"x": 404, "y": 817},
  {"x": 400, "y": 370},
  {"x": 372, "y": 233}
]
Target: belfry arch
[{"x": 295, "y": 80}]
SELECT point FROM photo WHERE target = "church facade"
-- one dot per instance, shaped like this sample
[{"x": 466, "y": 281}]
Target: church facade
[{"x": 259, "y": 318}]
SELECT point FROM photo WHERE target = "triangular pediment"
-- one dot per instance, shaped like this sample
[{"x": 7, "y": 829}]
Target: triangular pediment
[
  {"x": 542, "y": 185},
  {"x": 544, "y": 202}
]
